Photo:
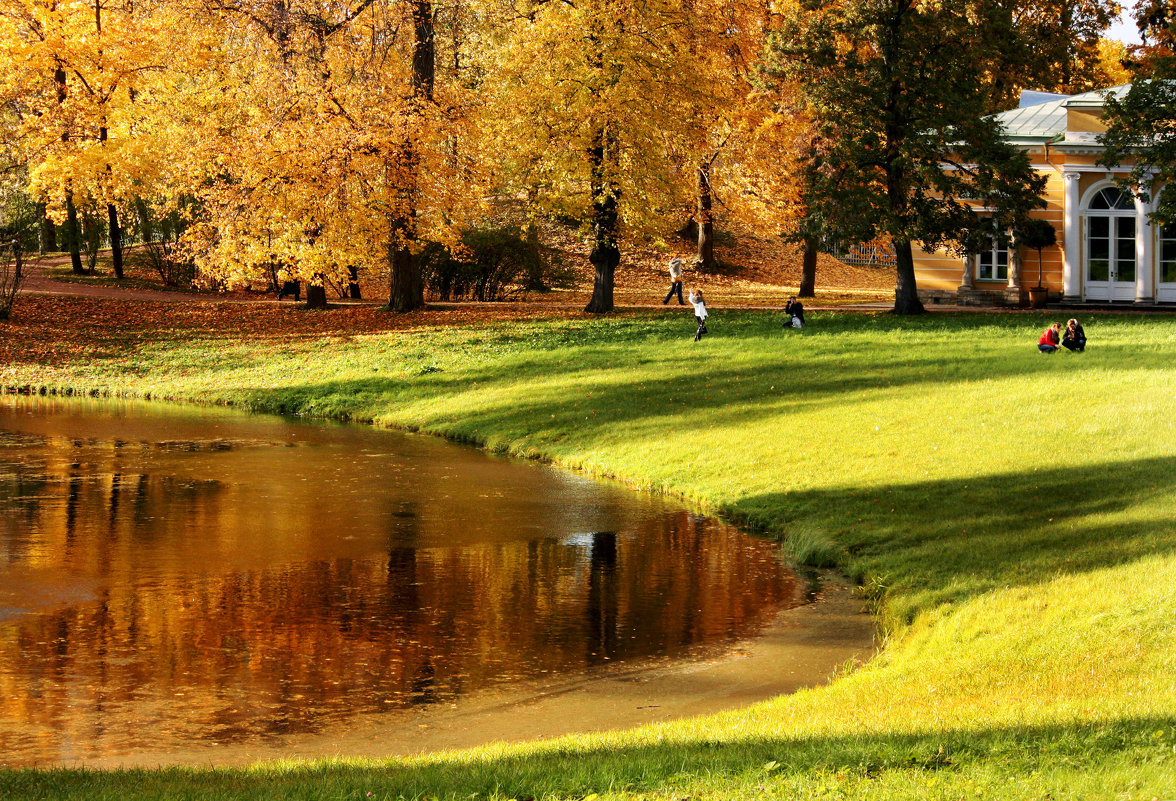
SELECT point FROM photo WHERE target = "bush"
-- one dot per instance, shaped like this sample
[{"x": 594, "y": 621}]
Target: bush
[
  {"x": 10, "y": 275},
  {"x": 164, "y": 258},
  {"x": 492, "y": 264},
  {"x": 20, "y": 217}
]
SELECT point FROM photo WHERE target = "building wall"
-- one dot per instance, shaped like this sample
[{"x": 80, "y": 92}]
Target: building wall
[{"x": 942, "y": 271}]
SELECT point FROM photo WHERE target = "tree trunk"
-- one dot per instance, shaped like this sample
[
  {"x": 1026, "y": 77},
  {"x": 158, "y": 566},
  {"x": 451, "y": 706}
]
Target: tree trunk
[
  {"x": 47, "y": 239},
  {"x": 316, "y": 294},
  {"x": 424, "y": 50},
  {"x": 808, "y": 271},
  {"x": 405, "y": 287},
  {"x": 73, "y": 235},
  {"x": 353, "y": 283},
  {"x": 906, "y": 296},
  {"x": 706, "y": 228},
  {"x": 606, "y": 255},
  {"x": 116, "y": 252}
]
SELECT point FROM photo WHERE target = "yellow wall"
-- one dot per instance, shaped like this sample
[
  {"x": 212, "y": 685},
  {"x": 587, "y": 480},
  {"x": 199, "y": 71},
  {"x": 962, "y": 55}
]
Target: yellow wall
[
  {"x": 1081, "y": 120},
  {"x": 1051, "y": 258},
  {"x": 943, "y": 271}
]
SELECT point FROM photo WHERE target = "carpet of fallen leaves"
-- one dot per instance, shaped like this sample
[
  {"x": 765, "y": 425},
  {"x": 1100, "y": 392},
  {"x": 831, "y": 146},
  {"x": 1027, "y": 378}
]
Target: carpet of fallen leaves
[
  {"x": 51, "y": 330},
  {"x": 96, "y": 317},
  {"x": 754, "y": 272}
]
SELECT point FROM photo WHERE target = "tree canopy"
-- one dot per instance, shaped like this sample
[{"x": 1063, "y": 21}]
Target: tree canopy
[
  {"x": 304, "y": 141},
  {"x": 1142, "y": 124},
  {"x": 903, "y": 149}
]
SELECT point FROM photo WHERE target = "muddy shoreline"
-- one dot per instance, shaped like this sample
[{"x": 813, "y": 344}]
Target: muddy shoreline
[{"x": 801, "y": 647}]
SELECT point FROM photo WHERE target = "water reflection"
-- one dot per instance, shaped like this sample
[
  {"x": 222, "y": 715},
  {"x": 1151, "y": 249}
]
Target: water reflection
[{"x": 176, "y": 575}]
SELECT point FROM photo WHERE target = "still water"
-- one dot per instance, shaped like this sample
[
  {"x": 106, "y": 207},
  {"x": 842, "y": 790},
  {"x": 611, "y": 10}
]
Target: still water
[{"x": 171, "y": 575}]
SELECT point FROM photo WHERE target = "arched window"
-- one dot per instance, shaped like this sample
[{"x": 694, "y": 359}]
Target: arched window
[{"x": 1112, "y": 198}]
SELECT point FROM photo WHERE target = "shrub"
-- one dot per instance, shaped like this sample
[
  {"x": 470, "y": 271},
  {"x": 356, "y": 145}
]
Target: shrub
[
  {"x": 492, "y": 264},
  {"x": 10, "y": 275},
  {"x": 165, "y": 259}
]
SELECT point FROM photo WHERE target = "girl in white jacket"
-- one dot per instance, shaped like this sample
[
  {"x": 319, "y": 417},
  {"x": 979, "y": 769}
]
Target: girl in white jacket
[{"x": 699, "y": 312}]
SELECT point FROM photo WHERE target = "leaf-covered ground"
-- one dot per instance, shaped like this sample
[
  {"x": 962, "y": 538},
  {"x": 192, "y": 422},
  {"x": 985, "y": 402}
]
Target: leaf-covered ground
[{"x": 753, "y": 271}]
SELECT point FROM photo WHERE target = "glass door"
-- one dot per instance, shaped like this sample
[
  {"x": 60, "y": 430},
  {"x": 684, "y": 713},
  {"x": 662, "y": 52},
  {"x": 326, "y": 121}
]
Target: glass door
[{"x": 1110, "y": 247}]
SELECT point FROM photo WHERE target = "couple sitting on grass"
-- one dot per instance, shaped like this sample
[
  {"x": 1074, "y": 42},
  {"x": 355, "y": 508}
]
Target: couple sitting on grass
[{"x": 1073, "y": 340}]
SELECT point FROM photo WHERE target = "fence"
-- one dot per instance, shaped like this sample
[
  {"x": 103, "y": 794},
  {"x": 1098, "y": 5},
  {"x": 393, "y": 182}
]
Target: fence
[{"x": 869, "y": 254}]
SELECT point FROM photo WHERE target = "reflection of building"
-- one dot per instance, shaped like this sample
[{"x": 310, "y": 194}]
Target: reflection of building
[{"x": 1107, "y": 249}]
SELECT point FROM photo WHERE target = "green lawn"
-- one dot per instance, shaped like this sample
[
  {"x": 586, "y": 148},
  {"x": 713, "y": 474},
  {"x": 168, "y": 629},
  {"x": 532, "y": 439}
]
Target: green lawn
[{"x": 1008, "y": 514}]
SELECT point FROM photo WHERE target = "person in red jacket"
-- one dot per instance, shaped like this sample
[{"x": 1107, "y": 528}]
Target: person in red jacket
[{"x": 1051, "y": 339}]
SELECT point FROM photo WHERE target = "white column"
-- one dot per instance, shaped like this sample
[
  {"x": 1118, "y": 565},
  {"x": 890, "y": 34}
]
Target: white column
[
  {"x": 966, "y": 276},
  {"x": 1072, "y": 241},
  {"x": 1145, "y": 269},
  {"x": 1014, "y": 264}
]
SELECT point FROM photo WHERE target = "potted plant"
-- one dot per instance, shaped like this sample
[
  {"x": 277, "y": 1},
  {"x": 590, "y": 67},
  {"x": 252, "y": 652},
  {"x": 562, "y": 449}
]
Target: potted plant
[{"x": 1037, "y": 234}]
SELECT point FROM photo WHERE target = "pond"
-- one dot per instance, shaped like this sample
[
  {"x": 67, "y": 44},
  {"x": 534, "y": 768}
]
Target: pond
[{"x": 171, "y": 576}]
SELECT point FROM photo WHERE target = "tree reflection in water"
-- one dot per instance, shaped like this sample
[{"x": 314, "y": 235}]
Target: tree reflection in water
[{"x": 187, "y": 576}]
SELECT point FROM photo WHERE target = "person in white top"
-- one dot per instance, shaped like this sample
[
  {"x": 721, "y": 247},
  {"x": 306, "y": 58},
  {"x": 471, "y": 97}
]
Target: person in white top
[
  {"x": 699, "y": 312},
  {"x": 675, "y": 282}
]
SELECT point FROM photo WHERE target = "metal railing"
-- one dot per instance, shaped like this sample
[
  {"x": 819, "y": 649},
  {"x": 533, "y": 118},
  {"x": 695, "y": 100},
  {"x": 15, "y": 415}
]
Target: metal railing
[{"x": 869, "y": 254}]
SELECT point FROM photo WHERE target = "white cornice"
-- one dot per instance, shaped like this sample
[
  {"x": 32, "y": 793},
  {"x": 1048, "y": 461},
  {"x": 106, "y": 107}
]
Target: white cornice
[{"x": 1092, "y": 168}]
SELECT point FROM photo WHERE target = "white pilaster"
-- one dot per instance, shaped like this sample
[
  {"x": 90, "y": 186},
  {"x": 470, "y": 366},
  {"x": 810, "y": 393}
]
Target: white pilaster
[
  {"x": 1072, "y": 240},
  {"x": 1145, "y": 268}
]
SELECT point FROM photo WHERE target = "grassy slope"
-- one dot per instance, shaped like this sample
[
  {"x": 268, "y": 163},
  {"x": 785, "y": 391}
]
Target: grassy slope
[{"x": 1009, "y": 513}]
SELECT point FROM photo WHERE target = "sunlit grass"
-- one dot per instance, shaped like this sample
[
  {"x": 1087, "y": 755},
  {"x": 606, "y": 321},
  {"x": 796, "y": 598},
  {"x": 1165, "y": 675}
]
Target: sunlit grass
[{"x": 1008, "y": 514}]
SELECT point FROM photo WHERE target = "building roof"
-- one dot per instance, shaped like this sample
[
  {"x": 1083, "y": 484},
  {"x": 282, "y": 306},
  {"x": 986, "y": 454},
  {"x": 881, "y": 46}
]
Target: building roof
[
  {"x": 1043, "y": 121},
  {"x": 1031, "y": 97}
]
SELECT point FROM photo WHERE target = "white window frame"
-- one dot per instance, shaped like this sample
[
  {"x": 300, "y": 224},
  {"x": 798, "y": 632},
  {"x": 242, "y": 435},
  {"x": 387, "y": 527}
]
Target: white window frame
[
  {"x": 1166, "y": 234},
  {"x": 994, "y": 263},
  {"x": 1116, "y": 289}
]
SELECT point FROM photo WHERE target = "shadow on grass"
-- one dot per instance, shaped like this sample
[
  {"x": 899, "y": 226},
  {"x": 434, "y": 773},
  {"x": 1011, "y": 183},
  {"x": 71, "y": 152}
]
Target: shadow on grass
[
  {"x": 619, "y": 386},
  {"x": 947, "y": 540},
  {"x": 741, "y": 763}
]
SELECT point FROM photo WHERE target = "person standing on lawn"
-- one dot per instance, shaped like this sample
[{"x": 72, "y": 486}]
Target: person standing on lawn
[
  {"x": 699, "y": 312},
  {"x": 675, "y": 282}
]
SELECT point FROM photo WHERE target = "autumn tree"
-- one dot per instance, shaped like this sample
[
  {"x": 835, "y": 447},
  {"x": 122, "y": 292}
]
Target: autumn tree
[
  {"x": 1142, "y": 123},
  {"x": 591, "y": 102},
  {"x": 328, "y": 146},
  {"x": 1053, "y": 45},
  {"x": 72, "y": 71},
  {"x": 903, "y": 149},
  {"x": 721, "y": 45}
]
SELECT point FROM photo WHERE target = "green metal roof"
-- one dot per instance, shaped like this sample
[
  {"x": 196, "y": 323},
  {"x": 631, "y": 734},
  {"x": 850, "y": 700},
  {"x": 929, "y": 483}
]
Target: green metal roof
[{"x": 1044, "y": 121}]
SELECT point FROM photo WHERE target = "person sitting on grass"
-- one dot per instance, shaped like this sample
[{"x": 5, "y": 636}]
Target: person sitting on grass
[
  {"x": 699, "y": 312},
  {"x": 1074, "y": 338},
  {"x": 795, "y": 311},
  {"x": 1050, "y": 339}
]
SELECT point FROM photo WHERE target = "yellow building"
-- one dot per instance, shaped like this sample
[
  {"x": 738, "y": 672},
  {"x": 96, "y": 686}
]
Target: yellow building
[{"x": 1108, "y": 250}]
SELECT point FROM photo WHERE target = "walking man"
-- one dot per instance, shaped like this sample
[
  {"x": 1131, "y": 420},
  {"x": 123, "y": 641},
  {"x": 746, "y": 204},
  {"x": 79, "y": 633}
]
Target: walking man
[{"x": 675, "y": 282}]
